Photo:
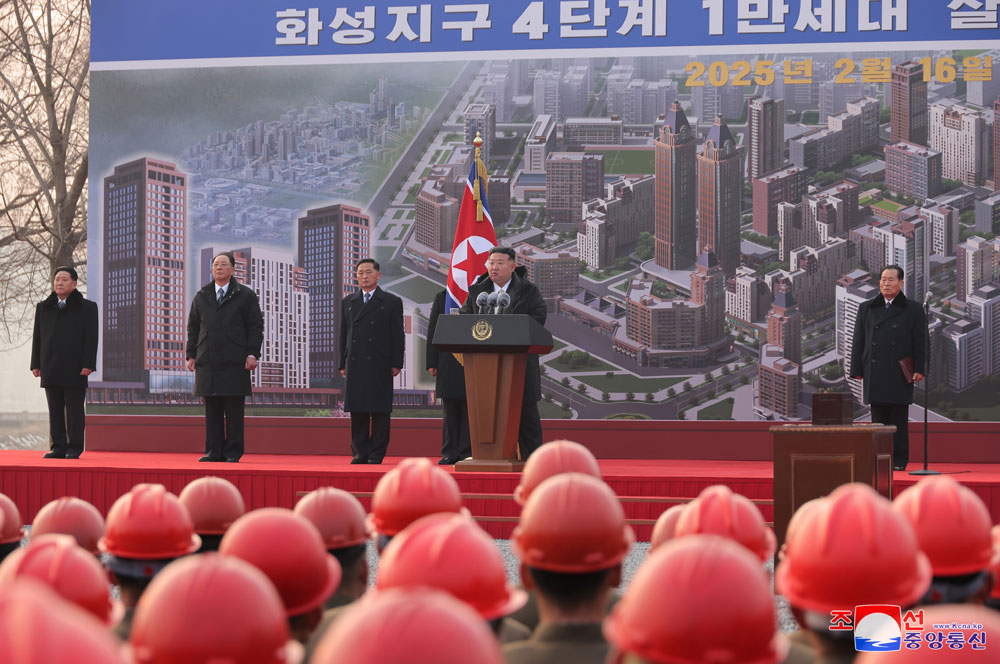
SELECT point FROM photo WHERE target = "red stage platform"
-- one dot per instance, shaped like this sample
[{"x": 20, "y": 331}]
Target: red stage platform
[{"x": 646, "y": 487}]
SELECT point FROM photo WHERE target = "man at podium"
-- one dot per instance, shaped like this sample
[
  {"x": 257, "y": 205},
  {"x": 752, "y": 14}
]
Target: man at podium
[{"x": 503, "y": 275}]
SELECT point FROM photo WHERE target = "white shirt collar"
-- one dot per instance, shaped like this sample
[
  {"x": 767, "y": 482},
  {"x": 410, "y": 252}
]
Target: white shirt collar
[
  {"x": 504, "y": 288},
  {"x": 366, "y": 292},
  {"x": 225, "y": 289}
]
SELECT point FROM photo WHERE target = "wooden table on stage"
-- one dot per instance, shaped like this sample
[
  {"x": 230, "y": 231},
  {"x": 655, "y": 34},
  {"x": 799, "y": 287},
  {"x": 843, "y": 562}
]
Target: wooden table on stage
[{"x": 810, "y": 461}]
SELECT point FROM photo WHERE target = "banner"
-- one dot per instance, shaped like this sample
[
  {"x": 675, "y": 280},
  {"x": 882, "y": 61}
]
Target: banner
[
  {"x": 187, "y": 29},
  {"x": 704, "y": 192}
]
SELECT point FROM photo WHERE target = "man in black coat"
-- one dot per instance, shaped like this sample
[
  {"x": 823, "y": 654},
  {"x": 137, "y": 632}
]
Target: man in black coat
[
  {"x": 371, "y": 355},
  {"x": 63, "y": 354},
  {"x": 449, "y": 385},
  {"x": 503, "y": 274},
  {"x": 888, "y": 329},
  {"x": 225, "y": 335}
]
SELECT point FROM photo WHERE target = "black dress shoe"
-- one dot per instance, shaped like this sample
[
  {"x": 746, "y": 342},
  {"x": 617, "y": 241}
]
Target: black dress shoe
[
  {"x": 358, "y": 460},
  {"x": 898, "y": 467},
  {"x": 54, "y": 455},
  {"x": 374, "y": 461},
  {"x": 209, "y": 457},
  {"x": 72, "y": 456},
  {"x": 447, "y": 461},
  {"x": 232, "y": 460}
]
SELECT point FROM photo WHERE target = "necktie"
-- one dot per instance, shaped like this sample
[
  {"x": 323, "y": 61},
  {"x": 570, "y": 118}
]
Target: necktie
[
  {"x": 62, "y": 304},
  {"x": 368, "y": 296},
  {"x": 218, "y": 298},
  {"x": 888, "y": 304}
]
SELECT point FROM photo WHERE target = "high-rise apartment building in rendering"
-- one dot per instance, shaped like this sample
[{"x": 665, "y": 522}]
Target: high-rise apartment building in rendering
[
  {"x": 908, "y": 104},
  {"x": 766, "y": 124},
  {"x": 720, "y": 194},
  {"x": 145, "y": 242},
  {"x": 331, "y": 240},
  {"x": 676, "y": 227}
]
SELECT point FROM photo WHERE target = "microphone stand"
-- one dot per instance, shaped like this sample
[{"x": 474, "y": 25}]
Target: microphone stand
[{"x": 927, "y": 392}]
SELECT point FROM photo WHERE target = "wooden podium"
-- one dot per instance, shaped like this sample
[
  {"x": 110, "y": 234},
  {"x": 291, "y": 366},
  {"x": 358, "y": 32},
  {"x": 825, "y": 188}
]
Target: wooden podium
[
  {"x": 810, "y": 461},
  {"x": 494, "y": 350}
]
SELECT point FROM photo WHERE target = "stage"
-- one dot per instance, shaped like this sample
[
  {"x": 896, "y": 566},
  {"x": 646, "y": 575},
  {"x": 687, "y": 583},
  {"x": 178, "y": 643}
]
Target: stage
[{"x": 645, "y": 486}]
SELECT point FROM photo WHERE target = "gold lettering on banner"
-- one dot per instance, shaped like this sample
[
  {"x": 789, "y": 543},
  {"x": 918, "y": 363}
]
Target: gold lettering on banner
[{"x": 482, "y": 330}]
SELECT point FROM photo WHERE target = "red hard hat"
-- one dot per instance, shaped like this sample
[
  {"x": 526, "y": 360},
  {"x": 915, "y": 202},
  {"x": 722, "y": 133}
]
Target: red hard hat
[
  {"x": 719, "y": 511},
  {"x": 11, "y": 529},
  {"x": 213, "y": 503},
  {"x": 412, "y": 625},
  {"x": 798, "y": 517},
  {"x": 852, "y": 548},
  {"x": 211, "y": 608},
  {"x": 66, "y": 568},
  {"x": 39, "y": 627},
  {"x": 572, "y": 523},
  {"x": 71, "y": 516},
  {"x": 290, "y": 552},
  {"x": 952, "y": 525},
  {"x": 701, "y": 598},
  {"x": 554, "y": 458},
  {"x": 413, "y": 489},
  {"x": 149, "y": 523},
  {"x": 451, "y": 553},
  {"x": 951, "y": 615},
  {"x": 337, "y": 515},
  {"x": 665, "y": 526}
]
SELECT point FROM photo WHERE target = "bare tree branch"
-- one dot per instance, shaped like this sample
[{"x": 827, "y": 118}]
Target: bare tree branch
[{"x": 44, "y": 94}]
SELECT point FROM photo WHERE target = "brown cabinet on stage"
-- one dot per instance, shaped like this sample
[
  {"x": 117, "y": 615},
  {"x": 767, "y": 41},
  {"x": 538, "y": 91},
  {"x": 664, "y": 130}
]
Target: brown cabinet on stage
[
  {"x": 810, "y": 461},
  {"x": 494, "y": 350}
]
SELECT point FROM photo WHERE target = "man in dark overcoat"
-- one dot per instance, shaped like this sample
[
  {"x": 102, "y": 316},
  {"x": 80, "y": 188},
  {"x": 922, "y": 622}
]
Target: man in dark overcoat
[
  {"x": 63, "y": 354},
  {"x": 449, "y": 386},
  {"x": 371, "y": 355},
  {"x": 889, "y": 328},
  {"x": 225, "y": 335},
  {"x": 503, "y": 274}
]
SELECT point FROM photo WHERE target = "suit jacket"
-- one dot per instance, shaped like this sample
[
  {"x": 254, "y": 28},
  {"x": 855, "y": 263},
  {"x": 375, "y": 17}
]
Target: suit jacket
[
  {"x": 221, "y": 337},
  {"x": 525, "y": 298},
  {"x": 450, "y": 381},
  {"x": 64, "y": 341},
  {"x": 883, "y": 337},
  {"x": 371, "y": 344}
]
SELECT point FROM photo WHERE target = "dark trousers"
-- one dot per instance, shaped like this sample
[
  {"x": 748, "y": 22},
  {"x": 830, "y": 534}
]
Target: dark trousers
[
  {"x": 455, "y": 440},
  {"x": 529, "y": 434},
  {"x": 224, "y": 426},
  {"x": 369, "y": 436},
  {"x": 898, "y": 414},
  {"x": 66, "y": 419}
]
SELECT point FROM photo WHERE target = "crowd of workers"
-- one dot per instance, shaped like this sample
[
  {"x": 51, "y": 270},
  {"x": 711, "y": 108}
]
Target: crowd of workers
[{"x": 202, "y": 580}]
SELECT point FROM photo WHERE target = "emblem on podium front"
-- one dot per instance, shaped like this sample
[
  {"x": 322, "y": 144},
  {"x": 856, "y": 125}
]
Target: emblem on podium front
[{"x": 482, "y": 330}]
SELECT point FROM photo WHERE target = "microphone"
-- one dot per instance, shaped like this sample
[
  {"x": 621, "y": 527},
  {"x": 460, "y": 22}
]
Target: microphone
[
  {"x": 481, "y": 302},
  {"x": 491, "y": 302},
  {"x": 503, "y": 301},
  {"x": 927, "y": 299}
]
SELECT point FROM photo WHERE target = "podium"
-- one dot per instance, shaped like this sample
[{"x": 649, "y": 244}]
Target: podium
[
  {"x": 810, "y": 461},
  {"x": 494, "y": 350}
]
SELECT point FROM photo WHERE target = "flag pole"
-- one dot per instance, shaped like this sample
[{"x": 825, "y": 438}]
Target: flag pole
[{"x": 481, "y": 178}]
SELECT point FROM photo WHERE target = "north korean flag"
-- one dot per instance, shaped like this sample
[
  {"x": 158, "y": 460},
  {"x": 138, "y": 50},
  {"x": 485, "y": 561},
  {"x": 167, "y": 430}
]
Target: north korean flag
[{"x": 474, "y": 237}]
